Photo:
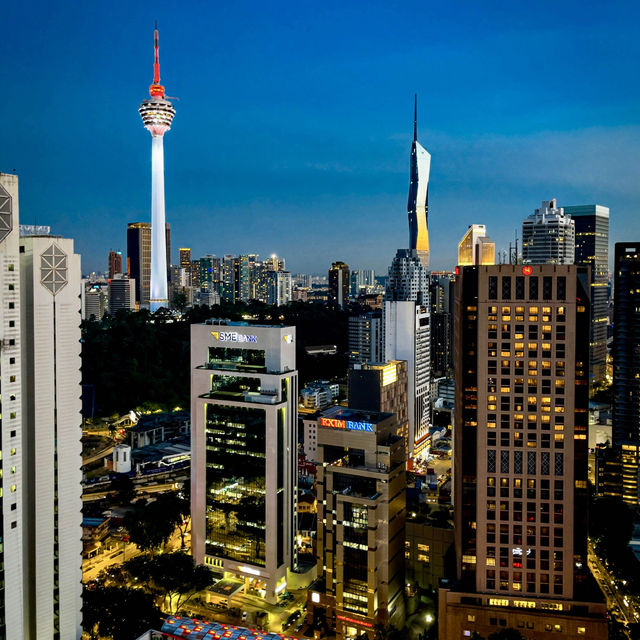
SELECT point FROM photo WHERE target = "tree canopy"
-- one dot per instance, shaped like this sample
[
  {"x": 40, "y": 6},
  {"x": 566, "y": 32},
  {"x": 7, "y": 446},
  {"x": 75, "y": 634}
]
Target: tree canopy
[
  {"x": 174, "y": 576},
  {"x": 150, "y": 352},
  {"x": 118, "y": 613}
]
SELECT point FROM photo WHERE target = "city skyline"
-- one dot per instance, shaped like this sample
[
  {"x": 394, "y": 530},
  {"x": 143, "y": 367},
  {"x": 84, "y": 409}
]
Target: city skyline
[{"x": 280, "y": 159}]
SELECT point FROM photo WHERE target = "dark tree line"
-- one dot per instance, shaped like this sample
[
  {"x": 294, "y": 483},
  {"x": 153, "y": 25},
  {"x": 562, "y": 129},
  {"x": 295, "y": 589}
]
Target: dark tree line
[{"x": 137, "y": 358}]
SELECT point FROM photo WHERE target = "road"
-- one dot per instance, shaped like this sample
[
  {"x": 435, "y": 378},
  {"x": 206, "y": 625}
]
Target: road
[
  {"x": 612, "y": 589},
  {"x": 103, "y": 453}
]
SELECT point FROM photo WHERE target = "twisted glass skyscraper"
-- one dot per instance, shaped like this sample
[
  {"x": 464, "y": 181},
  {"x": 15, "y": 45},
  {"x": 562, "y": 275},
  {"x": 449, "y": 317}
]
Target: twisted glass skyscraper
[{"x": 418, "y": 205}]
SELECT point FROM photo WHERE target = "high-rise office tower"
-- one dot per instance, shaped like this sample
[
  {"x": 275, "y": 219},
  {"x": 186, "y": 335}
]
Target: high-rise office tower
[
  {"x": 381, "y": 387},
  {"x": 407, "y": 336},
  {"x": 122, "y": 290},
  {"x": 278, "y": 287},
  {"x": 195, "y": 274},
  {"x": 209, "y": 269},
  {"x": 242, "y": 277},
  {"x": 157, "y": 115},
  {"x": 626, "y": 343},
  {"x": 15, "y": 492},
  {"x": 339, "y": 284},
  {"x": 185, "y": 262},
  {"x": 548, "y": 236},
  {"x": 50, "y": 290},
  {"x": 139, "y": 259},
  {"x": 592, "y": 248},
  {"x": 361, "y": 485},
  {"x": 244, "y": 400},
  {"x": 476, "y": 247},
  {"x": 273, "y": 263},
  {"x": 94, "y": 303},
  {"x": 418, "y": 204},
  {"x": 228, "y": 278},
  {"x": 441, "y": 294},
  {"x": 115, "y": 263},
  {"x": 520, "y": 467},
  {"x": 365, "y": 338}
]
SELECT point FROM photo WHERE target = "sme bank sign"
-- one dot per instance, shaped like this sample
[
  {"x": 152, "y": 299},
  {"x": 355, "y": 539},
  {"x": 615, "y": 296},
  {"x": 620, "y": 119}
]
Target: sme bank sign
[
  {"x": 350, "y": 425},
  {"x": 233, "y": 336}
]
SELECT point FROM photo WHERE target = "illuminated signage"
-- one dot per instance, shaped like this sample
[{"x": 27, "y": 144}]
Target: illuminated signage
[
  {"x": 361, "y": 623},
  {"x": 233, "y": 336},
  {"x": 527, "y": 271},
  {"x": 250, "y": 570},
  {"x": 288, "y": 338},
  {"x": 350, "y": 425}
]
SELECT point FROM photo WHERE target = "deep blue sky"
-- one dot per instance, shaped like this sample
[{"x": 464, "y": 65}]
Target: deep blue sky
[{"x": 293, "y": 127}]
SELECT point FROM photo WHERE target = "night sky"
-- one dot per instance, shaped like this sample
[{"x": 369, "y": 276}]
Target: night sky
[{"x": 294, "y": 120}]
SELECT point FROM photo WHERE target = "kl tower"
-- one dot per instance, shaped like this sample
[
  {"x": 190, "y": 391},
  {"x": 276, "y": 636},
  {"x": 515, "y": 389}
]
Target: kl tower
[{"x": 157, "y": 114}]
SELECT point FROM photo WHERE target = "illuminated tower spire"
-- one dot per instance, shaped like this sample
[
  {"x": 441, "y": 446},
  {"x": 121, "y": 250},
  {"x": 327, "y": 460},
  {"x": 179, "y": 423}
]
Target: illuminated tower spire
[
  {"x": 418, "y": 204},
  {"x": 157, "y": 115}
]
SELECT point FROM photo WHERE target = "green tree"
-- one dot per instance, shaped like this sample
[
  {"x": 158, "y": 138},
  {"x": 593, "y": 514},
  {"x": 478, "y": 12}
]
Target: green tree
[
  {"x": 611, "y": 528},
  {"x": 118, "y": 613},
  {"x": 125, "y": 489},
  {"x": 174, "y": 576},
  {"x": 180, "y": 302},
  {"x": 178, "y": 510},
  {"x": 148, "y": 526}
]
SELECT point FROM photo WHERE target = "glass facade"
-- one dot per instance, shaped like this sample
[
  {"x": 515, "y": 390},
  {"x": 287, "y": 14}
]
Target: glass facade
[
  {"x": 236, "y": 483},
  {"x": 592, "y": 249},
  {"x": 233, "y": 359}
]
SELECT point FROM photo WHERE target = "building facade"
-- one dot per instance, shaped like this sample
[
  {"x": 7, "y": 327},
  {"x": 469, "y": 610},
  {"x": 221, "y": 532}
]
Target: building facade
[
  {"x": 548, "y": 236},
  {"x": 339, "y": 284},
  {"x": 139, "y": 260},
  {"x": 365, "y": 338},
  {"x": 13, "y": 507},
  {"x": 626, "y": 343},
  {"x": 361, "y": 511},
  {"x": 418, "y": 202},
  {"x": 382, "y": 388},
  {"x": 50, "y": 291},
  {"x": 122, "y": 292},
  {"x": 115, "y": 263},
  {"x": 592, "y": 249},
  {"x": 244, "y": 400},
  {"x": 520, "y": 481},
  {"x": 476, "y": 247},
  {"x": 407, "y": 336}
]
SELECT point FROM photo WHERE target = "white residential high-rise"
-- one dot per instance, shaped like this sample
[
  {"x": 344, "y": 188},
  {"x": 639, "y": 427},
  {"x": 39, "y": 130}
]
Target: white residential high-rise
[
  {"x": 50, "y": 299},
  {"x": 13, "y": 524},
  {"x": 548, "y": 236},
  {"x": 407, "y": 336}
]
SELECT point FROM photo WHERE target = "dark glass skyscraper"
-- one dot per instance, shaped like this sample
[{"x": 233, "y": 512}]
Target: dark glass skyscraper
[
  {"x": 592, "y": 249},
  {"x": 418, "y": 205},
  {"x": 626, "y": 343}
]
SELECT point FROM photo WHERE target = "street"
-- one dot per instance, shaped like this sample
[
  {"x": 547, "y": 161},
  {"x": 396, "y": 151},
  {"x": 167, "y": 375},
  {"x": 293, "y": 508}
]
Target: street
[{"x": 623, "y": 606}]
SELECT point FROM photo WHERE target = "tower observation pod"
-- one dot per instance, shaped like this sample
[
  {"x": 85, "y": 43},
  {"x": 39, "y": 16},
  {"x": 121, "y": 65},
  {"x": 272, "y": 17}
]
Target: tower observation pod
[{"x": 157, "y": 115}]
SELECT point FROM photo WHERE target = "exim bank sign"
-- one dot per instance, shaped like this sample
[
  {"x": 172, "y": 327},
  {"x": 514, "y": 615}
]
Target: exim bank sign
[
  {"x": 233, "y": 336},
  {"x": 350, "y": 425}
]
